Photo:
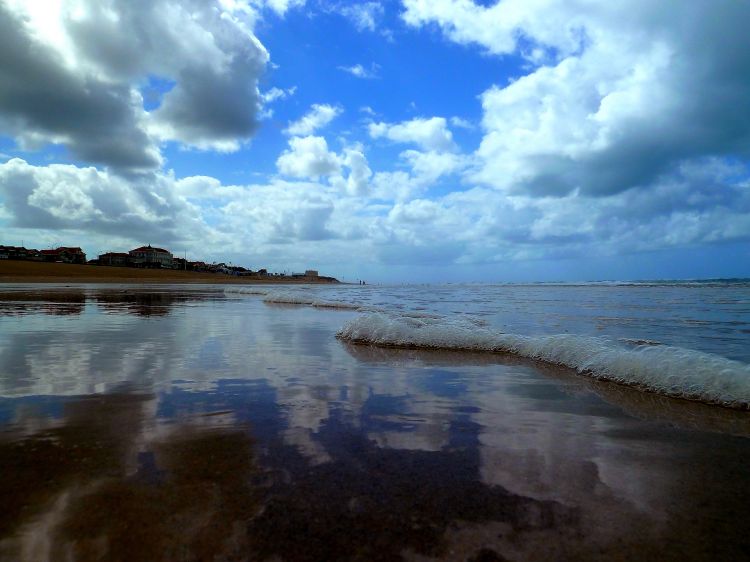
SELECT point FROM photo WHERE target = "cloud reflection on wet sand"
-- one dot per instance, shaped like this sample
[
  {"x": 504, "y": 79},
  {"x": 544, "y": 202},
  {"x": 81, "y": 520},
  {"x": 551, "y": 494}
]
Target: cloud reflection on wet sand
[{"x": 238, "y": 431}]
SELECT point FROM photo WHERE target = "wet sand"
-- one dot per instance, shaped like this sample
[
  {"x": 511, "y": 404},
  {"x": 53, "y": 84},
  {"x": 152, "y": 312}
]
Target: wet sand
[
  {"x": 222, "y": 428},
  {"x": 12, "y": 271}
]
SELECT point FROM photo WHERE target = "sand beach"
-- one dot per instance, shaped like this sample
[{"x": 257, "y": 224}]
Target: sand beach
[{"x": 12, "y": 271}]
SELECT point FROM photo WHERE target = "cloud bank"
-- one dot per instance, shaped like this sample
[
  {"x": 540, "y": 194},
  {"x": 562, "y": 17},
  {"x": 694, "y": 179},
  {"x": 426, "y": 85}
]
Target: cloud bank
[
  {"x": 617, "y": 95},
  {"x": 625, "y": 130},
  {"x": 74, "y": 74}
]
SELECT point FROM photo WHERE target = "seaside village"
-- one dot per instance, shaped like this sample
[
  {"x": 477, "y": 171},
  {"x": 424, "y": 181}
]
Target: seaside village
[{"x": 143, "y": 257}]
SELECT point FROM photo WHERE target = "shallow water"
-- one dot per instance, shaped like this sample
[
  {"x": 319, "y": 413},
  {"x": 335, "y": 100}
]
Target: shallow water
[
  {"x": 712, "y": 317},
  {"x": 163, "y": 423}
]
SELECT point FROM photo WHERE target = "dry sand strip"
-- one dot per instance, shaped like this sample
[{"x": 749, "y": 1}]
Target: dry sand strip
[{"x": 12, "y": 271}]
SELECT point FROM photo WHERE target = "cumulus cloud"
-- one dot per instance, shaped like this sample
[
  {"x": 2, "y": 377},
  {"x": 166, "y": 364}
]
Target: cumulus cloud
[
  {"x": 357, "y": 182},
  {"x": 70, "y": 74},
  {"x": 284, "y": 213},
  {"x": 625, "y": 134},
  {"x": 703, "y": 203},
  {"x": 308, "y": 157},
  {"x": 43, "y": 101},
  {"x": 430, "y": 134},
  {"x": 200, "y": 214},
  {"x": 65, "y": 197},
  {"x": 486, "y": 226},
  {"x": 616, "y": 97},
  {"x": 432, "y": 165},
  {"x": 496, "y": 27},
  {"x": 319, "y": 116},
  {"x": 425, "y": 171}
]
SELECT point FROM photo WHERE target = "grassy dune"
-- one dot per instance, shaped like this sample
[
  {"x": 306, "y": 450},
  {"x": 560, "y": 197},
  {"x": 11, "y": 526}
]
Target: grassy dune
[{"x": 12, "y": 271}]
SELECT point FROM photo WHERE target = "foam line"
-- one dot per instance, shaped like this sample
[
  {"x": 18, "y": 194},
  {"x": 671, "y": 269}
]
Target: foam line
[
  {"x": 244, "y": 291},
  {"x": 298, "y": 298},
  {"x": 664, "y": 369}
]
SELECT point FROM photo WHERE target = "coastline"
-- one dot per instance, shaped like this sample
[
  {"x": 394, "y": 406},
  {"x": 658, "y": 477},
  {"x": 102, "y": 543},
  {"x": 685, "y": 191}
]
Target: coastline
[
  {"x": 39, "y": 272},
  {"x": 162, "y": 408}
]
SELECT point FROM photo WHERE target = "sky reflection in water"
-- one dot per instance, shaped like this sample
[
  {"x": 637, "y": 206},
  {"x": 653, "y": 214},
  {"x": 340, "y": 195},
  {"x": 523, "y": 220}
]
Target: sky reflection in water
[{"x": 159, "y": 424}]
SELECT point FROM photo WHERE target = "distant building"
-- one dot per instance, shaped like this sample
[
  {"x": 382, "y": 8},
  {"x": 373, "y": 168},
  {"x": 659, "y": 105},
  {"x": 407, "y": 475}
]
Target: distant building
[
  {"x": 198, "y": 266},
  {"x": 114, "y": 259},
  {"x": 146, "y": 256},
  {"x": 19, "y": 253},
  {"x": 62, "y": 254},
  {"x": 311, "y": 273},
  {"x": 8, "y": 252}
]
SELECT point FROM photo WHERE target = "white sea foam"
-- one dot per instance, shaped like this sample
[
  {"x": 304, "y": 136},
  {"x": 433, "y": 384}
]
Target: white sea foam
[
  {"x": 245, "y": 291},
  {"x": 664, "y": 369},
  {"x": 303, "y": 299}
]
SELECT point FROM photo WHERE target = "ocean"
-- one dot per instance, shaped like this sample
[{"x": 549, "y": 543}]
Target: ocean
[{"x": 458, "y": 421}]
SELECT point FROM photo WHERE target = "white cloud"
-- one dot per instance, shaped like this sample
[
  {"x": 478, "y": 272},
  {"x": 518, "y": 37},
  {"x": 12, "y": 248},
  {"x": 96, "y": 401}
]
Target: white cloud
[
  {"x": 275, "y": 94},
  {"x": 485, "y": 226},
  {"x": 389, "y": 216},
  {"x": 364, "y": 16},
  {"x": 429, "y": 166},
  {"x": 360, "y": 71},
  {"x": 430, "y": 134},
  {"x": 279, "y": 6},
  {"x": 616, "y": 95},
  {"x": 426, "y": 168},
  {"x": 60, "y": 196},
  {"x": 283, "y": 216},
  {"x": 357, "y": 183},
  {"x": 598, "y": 150},
  {"x": 462, "y": 123},
  {"x": 78, "y": 68},
  {"x": 497, "y": 28},
  {"x": 308, "y": 157},
  {"x": 319, "y": 116}
]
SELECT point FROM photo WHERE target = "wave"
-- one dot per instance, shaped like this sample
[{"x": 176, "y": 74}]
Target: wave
[
  {"x": 294, "y": 298},
  {"x": 298, "y": 298},
  {"x": 244, "y": 291},
  {"x": 667, "y": 370}
]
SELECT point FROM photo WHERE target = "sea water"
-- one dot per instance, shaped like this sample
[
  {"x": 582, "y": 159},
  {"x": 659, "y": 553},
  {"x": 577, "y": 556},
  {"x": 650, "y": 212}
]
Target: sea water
[
  {"x": 318, "y": 422},
  {"x": 685, "y": 339}
]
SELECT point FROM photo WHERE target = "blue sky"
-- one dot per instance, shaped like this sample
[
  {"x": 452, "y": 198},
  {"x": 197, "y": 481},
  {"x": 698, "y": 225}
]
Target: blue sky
[{"x": 393, "y": 141}]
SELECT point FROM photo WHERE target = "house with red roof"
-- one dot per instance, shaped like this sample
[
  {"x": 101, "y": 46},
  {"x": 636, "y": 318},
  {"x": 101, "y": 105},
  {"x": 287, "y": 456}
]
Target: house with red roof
[
  {"x": 64, "y": 254},
  {"x": 148, "y": 256}
]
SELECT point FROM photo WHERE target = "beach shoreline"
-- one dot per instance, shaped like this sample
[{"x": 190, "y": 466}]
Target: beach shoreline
[
  {"x": 35, "y": 272},
  {"x": 129, "y": 407}
]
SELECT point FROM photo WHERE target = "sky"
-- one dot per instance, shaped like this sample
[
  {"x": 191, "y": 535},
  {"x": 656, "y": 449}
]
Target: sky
[{"x": 391, "y": 141}]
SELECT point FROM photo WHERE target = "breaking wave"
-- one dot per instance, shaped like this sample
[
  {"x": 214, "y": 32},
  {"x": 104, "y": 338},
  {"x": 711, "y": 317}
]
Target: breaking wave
[
  {"x": 244, "y": 291},
  {"x": 299, "y": 298},
  {"x": 663, "y": 369}
]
